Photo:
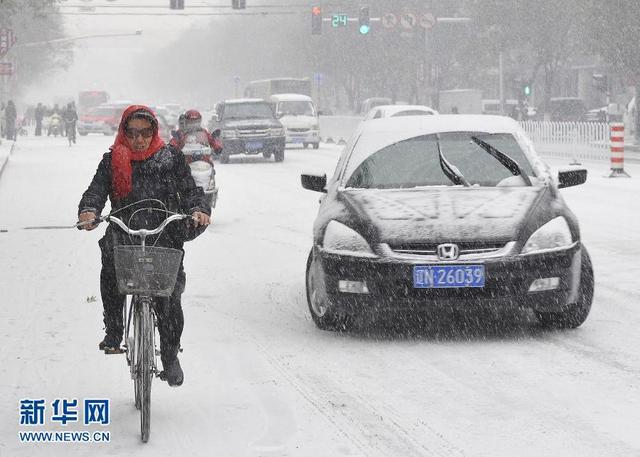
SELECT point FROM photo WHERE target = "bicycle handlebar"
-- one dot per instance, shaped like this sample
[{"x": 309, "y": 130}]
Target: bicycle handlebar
[{"x": 146, "y": 232}]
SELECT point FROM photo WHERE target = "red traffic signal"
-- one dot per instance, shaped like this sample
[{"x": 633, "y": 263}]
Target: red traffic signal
[{"x": 316, "y": 20}]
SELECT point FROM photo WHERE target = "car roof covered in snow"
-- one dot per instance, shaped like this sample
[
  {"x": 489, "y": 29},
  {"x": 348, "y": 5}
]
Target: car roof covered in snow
[
  {"x": 244, "y": 100},
  {"x": 290, "y": 98},
  {"x": 390, "y": 110}
]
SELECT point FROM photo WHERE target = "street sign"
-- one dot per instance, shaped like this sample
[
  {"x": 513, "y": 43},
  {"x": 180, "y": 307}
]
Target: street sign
[
  {"x": 6, "y": 68},
  {"x": 408, "y": 21},
  {"x": 389, "y": 20},
  {"x": 7, "y": 39},
  {"x": 427, "y": 21}
]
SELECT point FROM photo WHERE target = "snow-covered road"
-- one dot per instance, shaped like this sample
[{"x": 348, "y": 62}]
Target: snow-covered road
[{"x": 261, "y": 380}]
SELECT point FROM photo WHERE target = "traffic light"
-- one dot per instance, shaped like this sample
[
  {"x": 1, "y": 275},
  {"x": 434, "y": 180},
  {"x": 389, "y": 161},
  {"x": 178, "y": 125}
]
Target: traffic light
[
  {"x": 238, "y": 4},
  {"x": 364, "y": 20},
  {"x": 526, "y": 88},
  {"x": 176, "y": 4},
  {"x": 316, "y": 20}
]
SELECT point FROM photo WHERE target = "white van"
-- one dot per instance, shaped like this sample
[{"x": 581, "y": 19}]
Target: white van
[{"x": 299, "y": 117}]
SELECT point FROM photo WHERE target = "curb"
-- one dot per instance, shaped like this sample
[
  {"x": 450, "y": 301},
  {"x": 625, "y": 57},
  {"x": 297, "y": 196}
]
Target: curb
[{"x": 5, "y": 160}]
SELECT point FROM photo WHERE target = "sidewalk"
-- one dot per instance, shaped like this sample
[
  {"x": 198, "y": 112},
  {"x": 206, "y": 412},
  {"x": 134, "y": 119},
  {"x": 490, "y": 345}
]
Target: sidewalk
[{"x": 6, "y": 148}]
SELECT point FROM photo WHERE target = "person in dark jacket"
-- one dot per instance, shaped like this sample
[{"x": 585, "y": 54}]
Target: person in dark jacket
[
  {"x": 39, "y": 115},
  {"x": 140, "y": 166},
  {"x": 10, "y": 119},
  {"x": 70, "y": 117}
]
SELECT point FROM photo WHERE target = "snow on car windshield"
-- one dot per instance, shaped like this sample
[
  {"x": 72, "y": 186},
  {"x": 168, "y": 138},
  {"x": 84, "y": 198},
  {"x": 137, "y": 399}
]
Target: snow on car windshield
[
  {"x": 247, "y": 110},
  {"x": 416, "y": 162}
]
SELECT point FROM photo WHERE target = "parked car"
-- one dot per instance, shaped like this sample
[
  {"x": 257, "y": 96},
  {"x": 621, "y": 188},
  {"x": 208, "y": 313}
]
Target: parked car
[
  {"x": 370, "y": 103},
  {"x": 596, "y": 115},
  {"x": 453, "y": 211},
  {"x": 383, "y": 111},
  {"x": 249, "y": 127},
  {"x": 298, "y": 115},
  {"x": 567, "y": 109}
]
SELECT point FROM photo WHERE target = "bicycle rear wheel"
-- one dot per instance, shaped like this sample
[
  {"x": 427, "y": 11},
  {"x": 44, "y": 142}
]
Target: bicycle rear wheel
[{"x": 145, "y": 371}]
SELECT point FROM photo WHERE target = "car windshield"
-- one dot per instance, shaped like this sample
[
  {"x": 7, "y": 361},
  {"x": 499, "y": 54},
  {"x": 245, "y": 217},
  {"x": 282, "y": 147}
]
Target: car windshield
[
  {"x": 296, "y": 108},
  {"x": 247, "y": 111},
  {"x": 416, "y": 162}
]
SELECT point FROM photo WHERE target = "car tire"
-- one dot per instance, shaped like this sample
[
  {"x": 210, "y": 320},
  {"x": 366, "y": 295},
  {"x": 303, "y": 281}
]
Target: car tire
[
  {"x": 322, "y": 312},
  {"x": 279, "y": 155},
  {"x": 224, "y": 158},
  {"x": 266, "y": 154},
  {"x": 316, "y": 145},
  {"x": 574, "y": 314},
  {"x": 305, "y": 145}
]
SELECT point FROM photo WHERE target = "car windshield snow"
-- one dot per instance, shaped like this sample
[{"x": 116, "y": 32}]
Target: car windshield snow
[
  {"x": 416, "y": 162},
  {"x": 247, "y": 111}
]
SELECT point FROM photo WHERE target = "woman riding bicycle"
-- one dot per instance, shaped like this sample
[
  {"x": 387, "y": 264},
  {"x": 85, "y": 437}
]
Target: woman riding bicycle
[{"x": 139, "y": 166}]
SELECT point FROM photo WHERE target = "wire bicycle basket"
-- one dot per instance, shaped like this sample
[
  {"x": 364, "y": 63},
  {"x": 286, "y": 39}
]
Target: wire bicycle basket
[{"x": 147, "y": 271}]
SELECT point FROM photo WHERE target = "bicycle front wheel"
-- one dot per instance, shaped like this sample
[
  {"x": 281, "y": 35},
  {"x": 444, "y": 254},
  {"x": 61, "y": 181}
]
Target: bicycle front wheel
[
  {"x": 145, "y": 368},
  {"x": 133, "y": 350}
]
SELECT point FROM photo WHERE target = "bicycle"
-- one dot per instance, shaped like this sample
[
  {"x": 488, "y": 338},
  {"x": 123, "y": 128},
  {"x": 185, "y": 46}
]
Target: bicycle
[{"x": 144, "y": 272}]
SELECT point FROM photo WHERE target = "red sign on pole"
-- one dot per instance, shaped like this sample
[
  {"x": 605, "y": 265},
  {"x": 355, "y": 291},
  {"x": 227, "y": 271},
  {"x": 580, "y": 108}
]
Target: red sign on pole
[
  {"x": 6, "y": 68},
  {"x": 7, "y": 39}
]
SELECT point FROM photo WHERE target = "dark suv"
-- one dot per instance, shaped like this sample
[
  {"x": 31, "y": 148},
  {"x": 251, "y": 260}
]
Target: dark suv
[{"x": 249, "y": 126}]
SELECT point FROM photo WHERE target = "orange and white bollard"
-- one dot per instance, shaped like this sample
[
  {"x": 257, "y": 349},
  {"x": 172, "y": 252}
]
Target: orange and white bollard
[{"x": 617, "y": 151}]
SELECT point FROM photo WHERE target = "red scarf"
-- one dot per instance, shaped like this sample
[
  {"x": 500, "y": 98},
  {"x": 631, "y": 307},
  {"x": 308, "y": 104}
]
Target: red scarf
[{"x": 122, "y": 155}]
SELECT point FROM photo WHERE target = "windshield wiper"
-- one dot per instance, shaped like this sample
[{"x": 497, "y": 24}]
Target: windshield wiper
[
  {"x": 504, "y": 159},
  {"x": 450, "y": 170}
]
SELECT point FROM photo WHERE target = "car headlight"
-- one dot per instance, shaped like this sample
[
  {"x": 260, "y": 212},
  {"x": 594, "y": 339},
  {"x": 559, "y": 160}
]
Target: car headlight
[
  {"x": 229, "y": 134},
  {"x": 554, "y": 234},
  {"x": 340, "y": 239},
  {"x": 277, "y": 132}
]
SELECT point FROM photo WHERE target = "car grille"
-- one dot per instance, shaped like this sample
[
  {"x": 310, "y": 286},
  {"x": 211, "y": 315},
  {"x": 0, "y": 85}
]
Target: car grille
[
  {"x": 253, "y": 132},
  {"x": 297, "y": 130},
  {"x": 430, "y": 248}
]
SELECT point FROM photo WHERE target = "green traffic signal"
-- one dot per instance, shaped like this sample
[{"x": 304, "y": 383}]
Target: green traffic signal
[
  {"x": 364, "y": 29},
  {"x": 527, "y": 90}
]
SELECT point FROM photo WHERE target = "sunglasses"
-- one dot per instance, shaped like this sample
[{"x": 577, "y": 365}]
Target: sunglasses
[{"x": 133, "y": 133}]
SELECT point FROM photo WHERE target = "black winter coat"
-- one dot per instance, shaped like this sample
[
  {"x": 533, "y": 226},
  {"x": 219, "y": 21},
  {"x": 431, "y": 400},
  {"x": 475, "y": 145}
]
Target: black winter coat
[{"x": 164, "y": 176}]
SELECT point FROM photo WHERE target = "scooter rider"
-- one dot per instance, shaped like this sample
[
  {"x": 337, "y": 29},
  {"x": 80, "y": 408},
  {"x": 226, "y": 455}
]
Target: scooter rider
[{"x": 191, "y": 127}]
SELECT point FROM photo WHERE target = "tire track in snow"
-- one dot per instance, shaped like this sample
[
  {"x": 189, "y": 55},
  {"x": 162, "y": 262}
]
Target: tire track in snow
[{"x": 369, "y": 428}]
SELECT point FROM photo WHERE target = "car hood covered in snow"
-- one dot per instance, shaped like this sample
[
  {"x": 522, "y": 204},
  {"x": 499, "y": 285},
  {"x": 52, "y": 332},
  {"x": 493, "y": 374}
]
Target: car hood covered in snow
[{"x": 442, "y": 214}]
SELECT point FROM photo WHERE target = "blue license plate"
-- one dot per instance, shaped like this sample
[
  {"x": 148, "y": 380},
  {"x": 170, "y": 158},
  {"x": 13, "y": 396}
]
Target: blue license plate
[
  {"x": 448, "y": 276},
  {"x": 297, "y": 140},
  {"x": 254, "y": 145}
]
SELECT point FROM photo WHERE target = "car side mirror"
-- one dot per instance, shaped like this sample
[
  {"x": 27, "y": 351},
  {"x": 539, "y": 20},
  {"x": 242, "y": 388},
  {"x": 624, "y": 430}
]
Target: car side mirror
[
  {"x": 317, "y": 183},
  {"x": 569, "y": 178},
  {"x": 216, "y": 133}
]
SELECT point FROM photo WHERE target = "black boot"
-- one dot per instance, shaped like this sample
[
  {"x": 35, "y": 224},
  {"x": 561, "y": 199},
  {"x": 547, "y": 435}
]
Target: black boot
[
  {"x": 172, "y": 371},
  {"x": 111, "y": 343},
  {"x": 113, "y": 331}
]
